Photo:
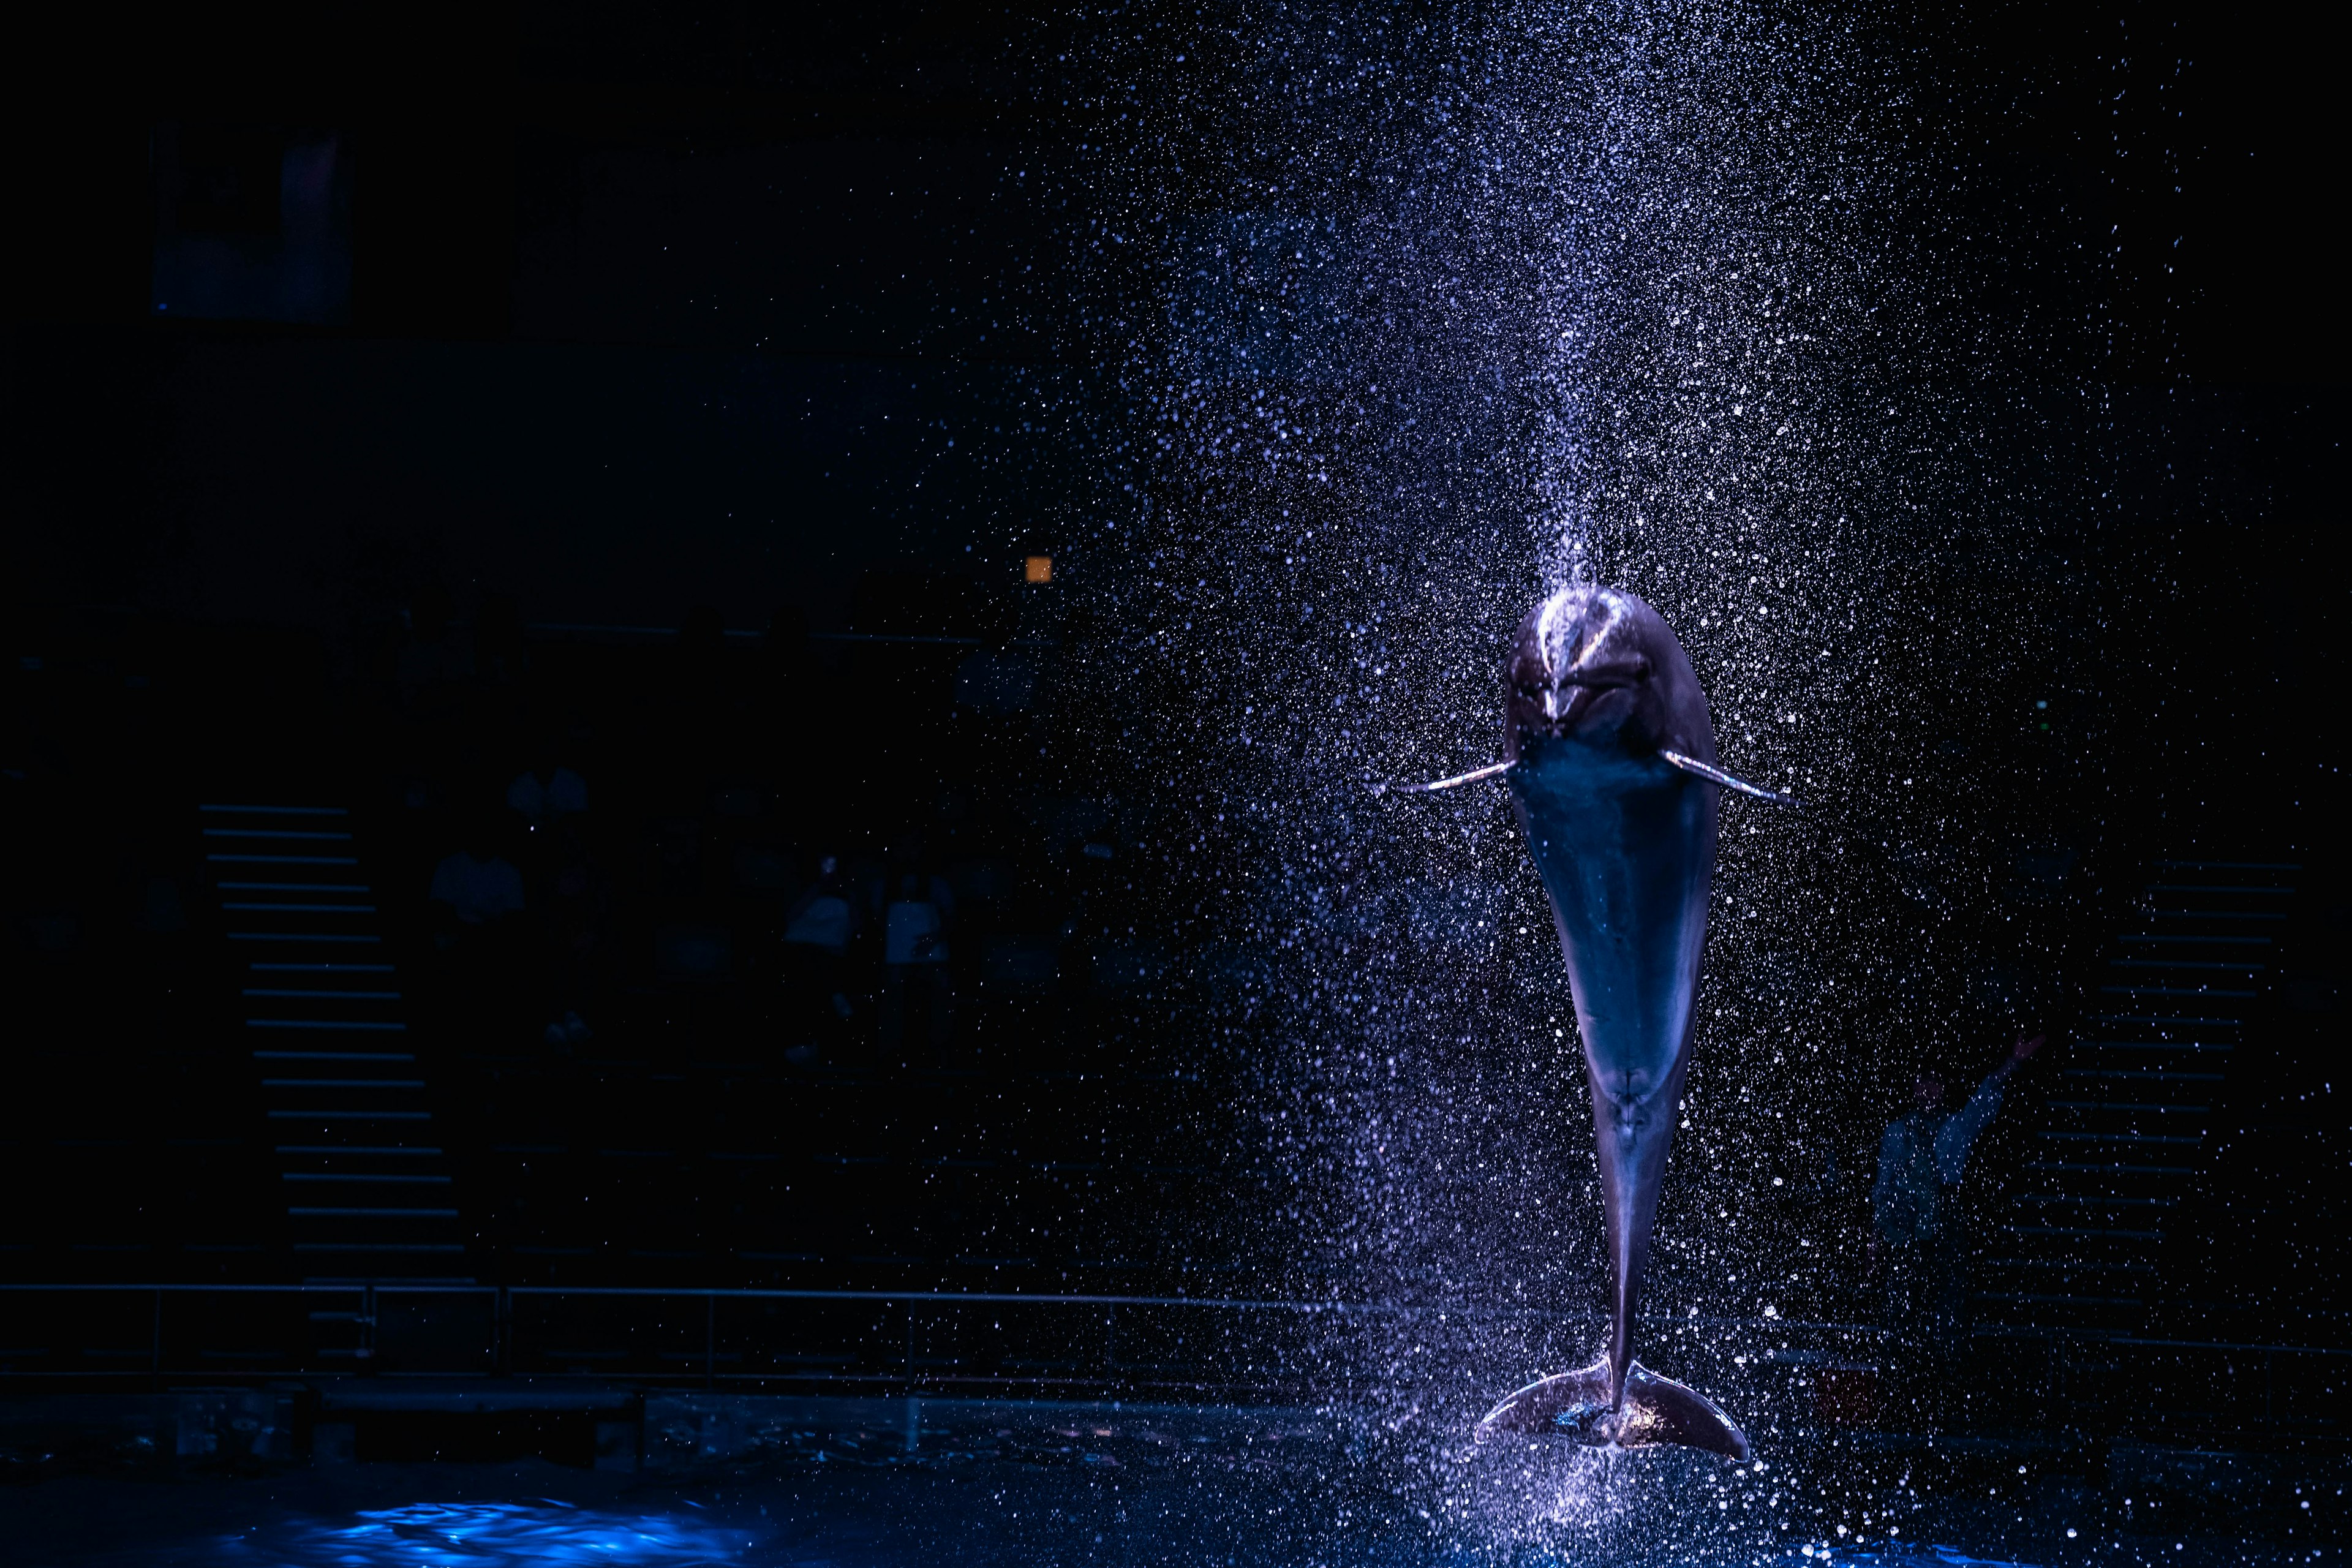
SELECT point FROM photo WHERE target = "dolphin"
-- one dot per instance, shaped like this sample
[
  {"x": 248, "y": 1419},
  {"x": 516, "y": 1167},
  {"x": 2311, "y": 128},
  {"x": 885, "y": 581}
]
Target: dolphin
[{"x": 1610, "y": 757}]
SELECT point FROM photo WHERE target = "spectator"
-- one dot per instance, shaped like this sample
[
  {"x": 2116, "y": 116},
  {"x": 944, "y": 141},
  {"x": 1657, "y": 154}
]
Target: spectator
[
  {"x": 916, "y": 910},
  {"x": 474, "y": 888},
  {"x": 547, "y": 792},
  {"x": 816, "y": 942},
  {"x": 1914, "y": 1232}
]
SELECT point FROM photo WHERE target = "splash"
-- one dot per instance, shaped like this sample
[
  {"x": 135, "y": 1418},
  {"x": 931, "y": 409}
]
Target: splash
[
  {"x": 1552, "y": 293},
  {"x": 1415, "y": 320}
]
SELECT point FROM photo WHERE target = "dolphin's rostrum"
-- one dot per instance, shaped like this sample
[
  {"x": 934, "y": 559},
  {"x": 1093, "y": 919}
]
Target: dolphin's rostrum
[{"x": 1605, "y": 720}]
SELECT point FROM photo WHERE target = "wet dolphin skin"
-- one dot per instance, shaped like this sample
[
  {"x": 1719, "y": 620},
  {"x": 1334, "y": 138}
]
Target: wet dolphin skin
[{"x": 1624, "y": 841}]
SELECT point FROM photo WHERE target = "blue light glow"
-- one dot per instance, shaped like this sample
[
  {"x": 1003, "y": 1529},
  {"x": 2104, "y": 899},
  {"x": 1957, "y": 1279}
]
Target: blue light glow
[{"x": 487, "y": 1535}]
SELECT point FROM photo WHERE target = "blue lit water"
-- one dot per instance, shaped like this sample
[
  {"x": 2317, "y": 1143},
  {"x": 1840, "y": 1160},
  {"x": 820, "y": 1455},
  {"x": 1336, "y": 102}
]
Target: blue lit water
[
  {"x": 1045, "y": 1486},
  {"x": 536, "y": 1529},
  {"x": 860, "y": 1522}
]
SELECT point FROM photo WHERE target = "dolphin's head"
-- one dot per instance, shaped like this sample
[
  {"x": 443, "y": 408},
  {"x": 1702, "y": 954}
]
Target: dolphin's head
[{"x": 1589, "y": 665}]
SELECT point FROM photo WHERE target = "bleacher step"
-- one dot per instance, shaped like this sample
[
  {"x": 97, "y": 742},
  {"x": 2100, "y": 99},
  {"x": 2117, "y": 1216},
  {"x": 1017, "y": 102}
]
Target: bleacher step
[{"x": 289, "y": 995}]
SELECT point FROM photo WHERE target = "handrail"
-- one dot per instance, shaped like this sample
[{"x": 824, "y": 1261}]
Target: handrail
[
  {"x": 769, "y": 1358},
  {"x": 420, "y": 1288},
  {"x": 951, "y": 1298},
  {"x": 2228, "y": 1345},
  {"x": 948, "y": 1299}
]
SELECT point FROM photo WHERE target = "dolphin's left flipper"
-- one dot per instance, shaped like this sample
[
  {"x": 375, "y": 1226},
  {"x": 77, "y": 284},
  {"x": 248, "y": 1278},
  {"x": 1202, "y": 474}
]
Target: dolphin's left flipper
[
  {"x": 1575, "y": 1406},
  {"x": 1692, "y": 766}
]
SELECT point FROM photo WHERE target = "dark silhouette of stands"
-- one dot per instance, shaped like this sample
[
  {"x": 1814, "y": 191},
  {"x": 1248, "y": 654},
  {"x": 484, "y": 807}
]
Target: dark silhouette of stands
[
  {"x": 2160, "y": 1238},
  {"x": 2114, "y": 1179},
  {"x": 298, "y": 1083}
]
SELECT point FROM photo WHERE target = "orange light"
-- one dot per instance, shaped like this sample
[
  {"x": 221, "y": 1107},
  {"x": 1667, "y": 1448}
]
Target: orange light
[{"x": 1037, "y": 568}]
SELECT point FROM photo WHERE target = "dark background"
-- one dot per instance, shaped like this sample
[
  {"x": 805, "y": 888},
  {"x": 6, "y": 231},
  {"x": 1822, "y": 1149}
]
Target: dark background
[
  {"x": 634, "y": 274},
  {"x": 663, "y": 317}
]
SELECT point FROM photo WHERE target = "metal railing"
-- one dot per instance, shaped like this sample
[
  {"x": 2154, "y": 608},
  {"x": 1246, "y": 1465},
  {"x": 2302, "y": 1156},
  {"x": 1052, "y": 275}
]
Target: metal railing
[
  {"x": 1234, "y": 1349},
  {"x": 877, "y": 1340}
]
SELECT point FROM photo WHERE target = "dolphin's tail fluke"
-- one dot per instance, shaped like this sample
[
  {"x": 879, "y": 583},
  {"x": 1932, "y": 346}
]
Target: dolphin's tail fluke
[{"x": 1575, "y": 1405}]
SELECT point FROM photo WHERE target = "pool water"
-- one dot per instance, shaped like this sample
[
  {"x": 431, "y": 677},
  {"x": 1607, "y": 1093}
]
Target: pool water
[{"x": 975, "y": 1486}]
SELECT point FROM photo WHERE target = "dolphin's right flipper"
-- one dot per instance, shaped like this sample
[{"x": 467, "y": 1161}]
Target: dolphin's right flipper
[
  {"x": 1476, "y": 775},
  {"x": 1575, "y": 1406},
  {"x": 1692, "y": 766}
]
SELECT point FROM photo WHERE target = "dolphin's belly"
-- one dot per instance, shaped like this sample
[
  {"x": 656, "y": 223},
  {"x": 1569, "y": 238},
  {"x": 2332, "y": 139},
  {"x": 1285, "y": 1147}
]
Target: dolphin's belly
[{"x": 1624, "y": 846}]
